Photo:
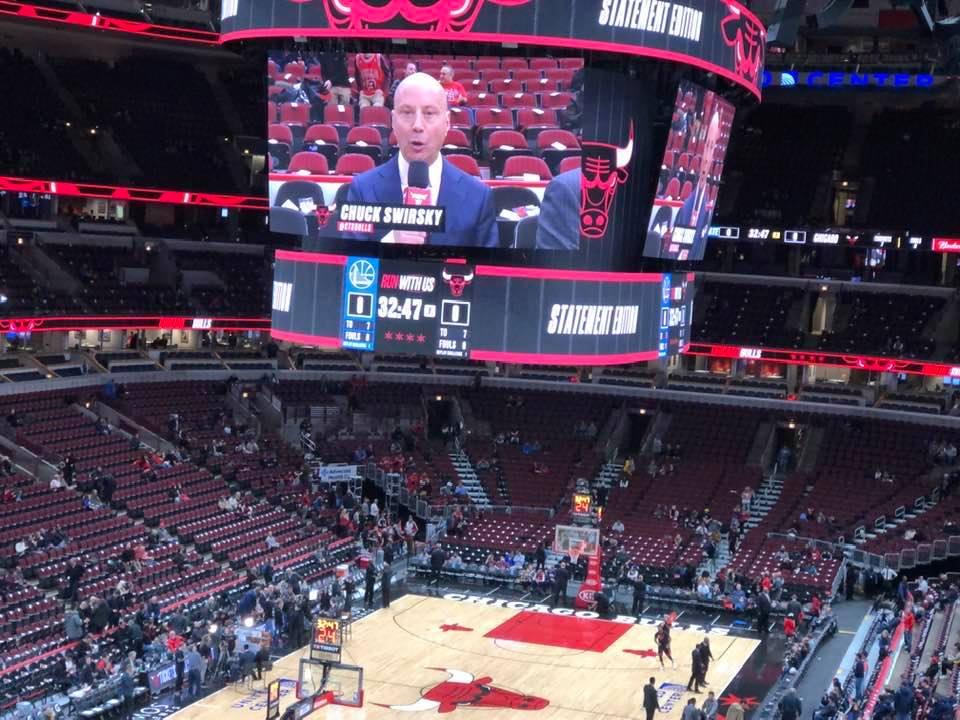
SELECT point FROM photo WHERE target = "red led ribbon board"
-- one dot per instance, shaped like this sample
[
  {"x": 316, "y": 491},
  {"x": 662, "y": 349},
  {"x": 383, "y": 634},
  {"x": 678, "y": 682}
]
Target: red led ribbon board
[
  {"x": 129, "y": 194},
  {"x": 868, "y": 363},
  {"x": 29, "y": 11},
  {"x": 70, "y": 323}
]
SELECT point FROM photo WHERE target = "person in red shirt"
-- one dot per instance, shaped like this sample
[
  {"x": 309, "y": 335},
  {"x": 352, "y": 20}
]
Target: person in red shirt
[
  {"x": 373, "y": 78},
  {"x": 789, "y": 626},
  {"x": 909, "y": 621},
  {"x": 456, "y": 95}
]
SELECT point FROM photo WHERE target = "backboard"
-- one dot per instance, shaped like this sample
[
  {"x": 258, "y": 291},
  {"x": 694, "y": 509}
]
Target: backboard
[
  {"x": 567, "y": 536},
  {"x": 344, "y": 683}
]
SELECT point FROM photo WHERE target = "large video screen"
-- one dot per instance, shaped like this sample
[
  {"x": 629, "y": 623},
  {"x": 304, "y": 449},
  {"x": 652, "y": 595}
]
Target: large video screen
[
  {"x": 689, "y": 175},
  {"x": 480, "y": 312},
  {"x": 490, "y": 153}
]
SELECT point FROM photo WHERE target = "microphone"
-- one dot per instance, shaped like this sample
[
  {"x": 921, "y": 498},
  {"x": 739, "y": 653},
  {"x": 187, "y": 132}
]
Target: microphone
[{"x": 418, "y": 184}]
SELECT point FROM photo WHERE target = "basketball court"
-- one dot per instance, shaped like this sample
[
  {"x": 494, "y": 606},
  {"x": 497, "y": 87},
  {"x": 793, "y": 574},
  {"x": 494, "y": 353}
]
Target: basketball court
[{"x": 427, "y": 655}]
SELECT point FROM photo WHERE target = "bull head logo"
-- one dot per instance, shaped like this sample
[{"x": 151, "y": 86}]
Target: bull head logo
[
  {"x": 457, "y": 282},
  {"x": 746, "y": 36},
  {"x": 437, "y": 16},
  {"x": 604, "y": 167},
  {"x": 461, "y": 689}
]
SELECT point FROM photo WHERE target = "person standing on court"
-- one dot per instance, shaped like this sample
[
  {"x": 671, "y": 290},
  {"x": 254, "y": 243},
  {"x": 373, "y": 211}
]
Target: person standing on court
[
  {"x": 651, "y": 703},
  {"x": 560, "y": 579},
  {"x": 696, "y": 672},
  {"x": 735, "y": 711},
  {"x": 691, "y": 711},
  {"x": 639, "y": 595},
  {"x": 385, "y": 577},
  {"x": 370, "y": 579},
  {"x": 438, "y": 559},
  {"x": 705, "y": 657}
]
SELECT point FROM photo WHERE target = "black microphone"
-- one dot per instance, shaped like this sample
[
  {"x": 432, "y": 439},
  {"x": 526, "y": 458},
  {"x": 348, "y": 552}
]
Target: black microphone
[{"x": 418, "y": 174}]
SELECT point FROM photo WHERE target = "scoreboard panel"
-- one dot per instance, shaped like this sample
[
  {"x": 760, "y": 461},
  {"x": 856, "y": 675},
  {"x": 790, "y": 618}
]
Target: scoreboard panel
[{"x": 481, "y": 312}]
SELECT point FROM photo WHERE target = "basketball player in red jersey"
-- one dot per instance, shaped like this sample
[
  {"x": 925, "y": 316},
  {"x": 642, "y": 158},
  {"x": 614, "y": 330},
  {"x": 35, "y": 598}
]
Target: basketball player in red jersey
[{"x": 373, "y": 78}]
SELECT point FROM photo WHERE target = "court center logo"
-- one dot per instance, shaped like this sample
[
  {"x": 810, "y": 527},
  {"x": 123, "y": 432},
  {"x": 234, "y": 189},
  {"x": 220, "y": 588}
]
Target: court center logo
[
  {"x": 669, "y": 695},
  {"x": 362, "y": 274},
  {"x": 437, "y": 16},
  {"x": 462, "y": 690}
]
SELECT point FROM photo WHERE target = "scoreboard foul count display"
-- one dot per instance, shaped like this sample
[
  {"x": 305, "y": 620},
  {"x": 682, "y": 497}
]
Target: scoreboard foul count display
[{"x": 455, "y": 309}]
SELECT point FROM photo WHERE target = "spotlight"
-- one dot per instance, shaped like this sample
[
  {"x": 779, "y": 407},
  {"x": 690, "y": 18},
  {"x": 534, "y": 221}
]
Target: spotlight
[
  {"x": 213, "y": 628},
  {"x": 791, "y": 425},
  {"x": 439, "y": 398},
  {"x": 248, "y": 622},
  {"x": 245, "y": 394}
]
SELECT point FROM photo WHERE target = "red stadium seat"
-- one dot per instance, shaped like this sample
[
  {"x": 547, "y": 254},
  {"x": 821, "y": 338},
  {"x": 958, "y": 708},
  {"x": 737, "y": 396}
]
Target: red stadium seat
[
  {"x": 686, "y": 190},
  {"x": 520, "y": 165},
  {"x": 518, "y": 100},
  {"x": 571, "y": 162},
  {"x": 559, "y": 76},
  {"x": 490, "y": 120},
  {"x": 533, "y": 121},
  {"x": 487, "y": 62},
  {"x": 281, "y": 133},
  {"x": 504, "y": 144},
  {"x": 365, "y": 141},
  {"x": 374, "y": 116},
  {"x": 530, "y": 78},
  {"x": 482, "y": 99},
  {"x": 555, "y": 145},
  {"x": 571, "y": 63},
  {"x": 465, "y": 163},
  {"x": 272, "y": 69},
  {"x": 354, "y": 164},
  {"x": 341, "y": 115},
  {"x": 504, "y": 85},
  {"x": 491, "y": 74},
  {"x": 314, "y": 163},
  {"x": 542, "y": 63},
  {"x": 456, "y": 142},
  {"x": 297, "y": 69},
  {"x": 556, "y": 100},
  {"x": 514, "y": 64},
  {"x": 323, "y": 139},
  {"x": 673, "y": 189},
  {"x": 295, "y": 114},
  {"x": 462, "y": 119},
  {"x": 461, "y": 65},
  {"x": 314, "y": 73}
]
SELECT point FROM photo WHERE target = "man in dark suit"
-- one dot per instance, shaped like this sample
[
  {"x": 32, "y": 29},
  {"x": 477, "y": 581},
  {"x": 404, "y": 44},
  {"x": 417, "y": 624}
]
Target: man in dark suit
[
  {"x": 558, "y": 227},
  {"x": 695, "y": 212},
  {"x": 421, "y": 121},
  {"x": 651, "y": 702}
]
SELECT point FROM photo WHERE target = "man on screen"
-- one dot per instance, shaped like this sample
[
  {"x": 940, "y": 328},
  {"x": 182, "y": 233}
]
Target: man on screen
[
  {"x": 558, "y": 226},
  {"x": 695, "y": 212},
  {"x": 420, "y": 121},
  {"x": 456, "y": 95}
]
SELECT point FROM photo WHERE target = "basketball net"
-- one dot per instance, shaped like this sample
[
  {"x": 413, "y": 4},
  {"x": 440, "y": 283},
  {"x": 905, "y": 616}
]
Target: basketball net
[{"x": 576, "y": 551}]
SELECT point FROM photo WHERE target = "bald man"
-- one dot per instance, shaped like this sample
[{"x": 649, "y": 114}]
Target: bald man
[
  {"x": 420, "y": 123},
  {"x": 695, "y": 213}
]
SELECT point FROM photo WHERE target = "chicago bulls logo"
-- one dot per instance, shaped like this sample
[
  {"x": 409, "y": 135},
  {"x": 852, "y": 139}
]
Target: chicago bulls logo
[
  {"x": 457, "y": 282},
  {"x": 323, "y": 214},
  {"x": 461, "y": 689},
  {"x": 434, "y": 15},
  {"x": 746, "y": 36},
  {"x": 604, "y": 168}
]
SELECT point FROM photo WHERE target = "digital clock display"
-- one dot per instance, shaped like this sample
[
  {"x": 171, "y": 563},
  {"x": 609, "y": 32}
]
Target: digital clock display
[
  {"x": 424, "y": 310},
  {"x": 581, "y": 504}
]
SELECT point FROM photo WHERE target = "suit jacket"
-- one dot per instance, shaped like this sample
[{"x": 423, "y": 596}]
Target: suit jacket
[
  {"x": 685, "y": 219},
  {"x": 650, "y": 700},
  {"x": 470, "y": 213},
  {"x": 559, "y": 225}
]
